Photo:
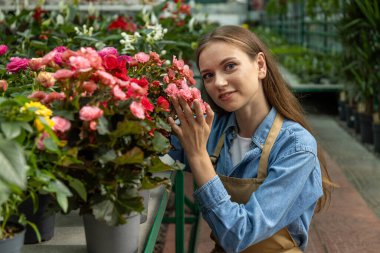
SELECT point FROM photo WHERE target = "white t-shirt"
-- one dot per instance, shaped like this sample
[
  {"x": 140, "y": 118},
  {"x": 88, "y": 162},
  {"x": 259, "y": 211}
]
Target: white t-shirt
[{"x": 240, "y": 146}]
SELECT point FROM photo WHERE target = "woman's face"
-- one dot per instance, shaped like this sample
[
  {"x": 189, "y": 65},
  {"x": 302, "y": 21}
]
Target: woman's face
[{"x": 231, "y": 78}]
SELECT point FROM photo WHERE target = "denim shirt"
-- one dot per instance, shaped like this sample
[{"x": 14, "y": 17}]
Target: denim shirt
[{"x": 286, "y": 198}]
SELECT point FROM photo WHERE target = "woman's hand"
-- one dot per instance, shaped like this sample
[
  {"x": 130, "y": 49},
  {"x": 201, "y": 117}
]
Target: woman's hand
[{"x": 193, "y": 131}]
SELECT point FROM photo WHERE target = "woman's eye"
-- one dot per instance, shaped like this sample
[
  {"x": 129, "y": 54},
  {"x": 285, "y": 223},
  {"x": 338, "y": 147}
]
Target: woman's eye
[
  {"x": 230, "y": 66},
  {"x": 206, "y": 76}
]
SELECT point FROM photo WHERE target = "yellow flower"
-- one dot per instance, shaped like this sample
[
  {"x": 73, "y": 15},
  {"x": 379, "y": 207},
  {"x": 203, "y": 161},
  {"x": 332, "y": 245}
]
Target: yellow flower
[
  {"x": 38, "y": 109},
  {"x": 39, "y": 123},
  {"x": 246, "y": 26}
]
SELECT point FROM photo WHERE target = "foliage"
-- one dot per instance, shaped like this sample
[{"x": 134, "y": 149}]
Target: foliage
[
  {"x": 26, "y": 170},
  {"x": 309, "y": 66},
  {"x": 360, "y": 36}
]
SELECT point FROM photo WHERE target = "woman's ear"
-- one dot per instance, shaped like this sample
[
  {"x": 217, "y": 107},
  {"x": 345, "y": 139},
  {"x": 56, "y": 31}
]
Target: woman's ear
[{"x": 262, "y": 65}]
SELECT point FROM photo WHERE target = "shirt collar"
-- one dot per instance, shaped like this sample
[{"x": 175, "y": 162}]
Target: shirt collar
[{"x": 261, "y": 132}]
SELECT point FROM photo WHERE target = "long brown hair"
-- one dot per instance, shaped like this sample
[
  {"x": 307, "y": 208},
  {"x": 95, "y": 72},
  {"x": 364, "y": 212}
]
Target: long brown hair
[{"x": 276, "y": 91}]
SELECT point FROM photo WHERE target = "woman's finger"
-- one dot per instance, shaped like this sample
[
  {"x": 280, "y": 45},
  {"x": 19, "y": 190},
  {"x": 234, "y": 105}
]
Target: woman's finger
[
  {"x": 178, "y": 110},
  {"x": 177, "y": 129},
  {"x": 198, "y": 111},
  {"x": 209, "y": 115},
  {"x": 186, "y": 110}
]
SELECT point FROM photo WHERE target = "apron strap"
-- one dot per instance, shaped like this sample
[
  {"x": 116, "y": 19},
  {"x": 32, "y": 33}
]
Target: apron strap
[
  {"x": 271, "y": 138},
  {"x": 215, "y": 156},
  {"x": 263, "y": 163}
]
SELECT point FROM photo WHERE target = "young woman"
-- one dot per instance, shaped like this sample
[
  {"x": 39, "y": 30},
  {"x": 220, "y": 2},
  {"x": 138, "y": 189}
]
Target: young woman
[{"x": 256, "y": 163}]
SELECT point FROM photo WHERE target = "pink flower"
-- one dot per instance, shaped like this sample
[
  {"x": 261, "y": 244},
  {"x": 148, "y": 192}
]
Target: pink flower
[
  {"x": 16, "y": 64},
  {"x": 118, "y": 94},
  {"x": 58, "y": 56},
  {"x": 171, "y": 90},
  {"x": 40, "y": 140},
  {"x": 3, "y": 85},
  {"x": 163, "y": 103},
  {"x": 179, "y": 64},
  {"x": 80, "y": 63},
  {"x": 137, "y": 110},
  {"x": 53, "y": 96},
  {"x": 49, "y": 58},
  {"x": 61, "y": 124},
  {"x": 142, "y": 57},
  {"x": 37, "y": 95},
  {"x": 63, "y": 74},
  {"x": 136, "y": 90},
  {"x": 89, "y": 113},
  {"x": 92, "y": 56},
  {"x": 186, "y": 94},
  {"x": 156, "y": 58},
  {"x": 196, "y": 93},
  {"x": 46, "y": 79},
  {"x": 35, "y": 64},
  {"x": 93, "y": 125},
  {"x": 108, "y": 51},
  {"x": 106, "y": 78},
  {"x": 3, "y": 49},
  {"x": 90, "y": 86}
]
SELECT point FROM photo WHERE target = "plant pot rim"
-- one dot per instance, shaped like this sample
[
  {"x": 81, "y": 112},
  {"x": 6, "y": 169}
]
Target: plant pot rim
[{"x": 20, "y": 229}]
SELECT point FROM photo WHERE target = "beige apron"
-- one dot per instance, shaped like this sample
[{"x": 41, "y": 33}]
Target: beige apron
[{"x": 241, "y": 190}]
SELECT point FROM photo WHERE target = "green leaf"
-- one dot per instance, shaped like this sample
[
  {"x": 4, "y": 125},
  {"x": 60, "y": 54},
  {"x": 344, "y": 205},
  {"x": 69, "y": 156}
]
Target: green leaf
[
  {"x": 109, "y": 156},
  {"x": 13, "y": 164},
  {"x": 10, "y": 129},
  {"x": 163, "y": 124},
  {"x": 38, "y": 44},
  {"x": 4, "y": 193},
  {"x": 35, "y": 229},
  {"x": 51, "y": 145},
  {"x": 157, "y": 165},
  {"x": 103, "y": 126},
  {"x": 135, "y": 155},
  {"x": 127, "y": 127},
  {"x": 153, "y": 182},
  {"x": 105, "y": 211},
  {"x": 160, "y": 142},
  {"x": 62, "y": 201},
  {"x": 78, "y": 186}
]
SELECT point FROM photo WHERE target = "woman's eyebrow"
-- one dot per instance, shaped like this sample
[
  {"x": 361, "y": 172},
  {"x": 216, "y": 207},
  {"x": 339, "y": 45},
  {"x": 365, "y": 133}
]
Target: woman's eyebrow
[{"x": 220, "y": 63}]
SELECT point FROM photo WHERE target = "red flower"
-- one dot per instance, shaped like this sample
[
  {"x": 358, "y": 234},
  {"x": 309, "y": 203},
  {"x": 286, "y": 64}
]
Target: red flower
[
  {"x": 110, "y": 62},
  {"x": 122, "y": 24},
  {"x": 38, "y": 14},
  {"x": 163, "y": 103}
]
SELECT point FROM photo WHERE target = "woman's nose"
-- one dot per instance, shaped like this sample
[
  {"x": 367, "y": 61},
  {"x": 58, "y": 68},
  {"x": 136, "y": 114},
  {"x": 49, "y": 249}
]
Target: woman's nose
[{"x": 220, "y": 81}]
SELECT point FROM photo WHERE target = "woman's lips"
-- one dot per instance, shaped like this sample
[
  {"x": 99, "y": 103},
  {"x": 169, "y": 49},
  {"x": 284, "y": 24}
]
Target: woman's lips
[{"x": 226, "y": 95}]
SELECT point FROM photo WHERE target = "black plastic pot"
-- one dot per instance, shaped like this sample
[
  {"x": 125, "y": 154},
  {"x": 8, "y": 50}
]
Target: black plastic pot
[
  {"x": 44, "y": 218},
  {"x": 376, "y": 137},
  {"x": 350, "y": 117},
  {"x": 357, "y": 122},
  {"x": 14, "y": 244},
  {"x": 366, "y": 128},
  {"x": 342, "y": 110}
]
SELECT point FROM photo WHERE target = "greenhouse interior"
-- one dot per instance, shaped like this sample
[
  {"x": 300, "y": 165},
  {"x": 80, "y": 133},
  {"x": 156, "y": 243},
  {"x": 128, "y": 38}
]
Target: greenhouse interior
[{"x": 135, "y": 126}]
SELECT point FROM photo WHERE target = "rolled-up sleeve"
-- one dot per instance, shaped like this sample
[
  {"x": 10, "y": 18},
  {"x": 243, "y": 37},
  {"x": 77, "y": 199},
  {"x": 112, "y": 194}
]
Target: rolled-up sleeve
[{"x": 211, "y": 194}]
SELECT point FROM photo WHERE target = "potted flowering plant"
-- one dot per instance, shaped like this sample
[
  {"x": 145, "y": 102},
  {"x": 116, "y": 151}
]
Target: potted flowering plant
[
  {"x": 111, "y": 113},
  {"x": 26, "y": 174}
]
